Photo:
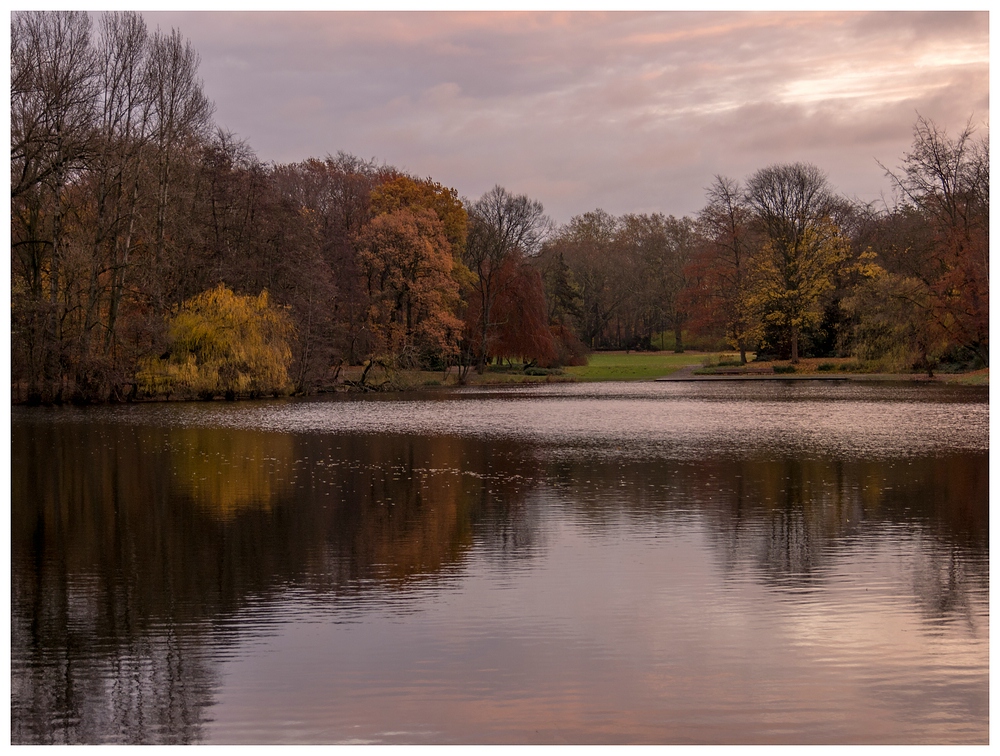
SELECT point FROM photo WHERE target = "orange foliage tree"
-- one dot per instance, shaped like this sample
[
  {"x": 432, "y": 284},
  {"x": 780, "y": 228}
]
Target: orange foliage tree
[
  {"x": 403, "y": 192},
  {"x": 405, "y": 259}
]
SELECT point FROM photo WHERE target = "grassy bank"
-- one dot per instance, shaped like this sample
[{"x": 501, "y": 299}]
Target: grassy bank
[
  {"x": 602, "y": 366},
  {"x": 837, "y": 367},
  {"x": 634, "y": 366},
  {"x": 975, "y": 378},
  {"x": 647, "y": 366},
  {"x": 403, "y": 380}
]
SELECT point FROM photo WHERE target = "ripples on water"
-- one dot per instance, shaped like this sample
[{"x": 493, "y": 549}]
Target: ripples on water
[
  {"x": 661, "y": 563},
  {"x": 676, "y": 419}
]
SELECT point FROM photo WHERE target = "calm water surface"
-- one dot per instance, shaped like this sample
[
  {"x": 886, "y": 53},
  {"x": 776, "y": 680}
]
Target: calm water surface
[{"x": 654, "y": 562}]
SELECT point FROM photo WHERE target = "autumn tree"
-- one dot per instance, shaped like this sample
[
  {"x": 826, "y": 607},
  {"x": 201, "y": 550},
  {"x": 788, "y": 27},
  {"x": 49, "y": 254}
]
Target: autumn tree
[
  {"x": 801, "y": 247},
  {"x": 501, "y": 225},
  {"x": 521, "y": 327},
  {"x": 891, "y": 329},
  {"x": 722, "y": 292},
  {"x": 316, "y": 214},
  {"x": 404, "y": 192},
  {"x": 943, "y": 185},
  {"x": 406, "y": 260},
  {"x": 223, "y": 343}
]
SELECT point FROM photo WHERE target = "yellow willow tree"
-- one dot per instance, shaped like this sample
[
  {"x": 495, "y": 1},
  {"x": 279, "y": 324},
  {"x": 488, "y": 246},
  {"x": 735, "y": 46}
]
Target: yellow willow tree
[{"x": 221, "y": 343}]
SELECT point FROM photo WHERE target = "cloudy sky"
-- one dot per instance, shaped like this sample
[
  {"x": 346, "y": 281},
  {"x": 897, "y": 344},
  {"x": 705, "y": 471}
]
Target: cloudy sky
[{"x": 629, "y": 112}]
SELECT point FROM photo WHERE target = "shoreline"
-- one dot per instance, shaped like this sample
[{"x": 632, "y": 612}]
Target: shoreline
[
  {"x": 689, "y": 374},
  {"x": 681, "y": 376},
  {"x": 615, "y": 367}
]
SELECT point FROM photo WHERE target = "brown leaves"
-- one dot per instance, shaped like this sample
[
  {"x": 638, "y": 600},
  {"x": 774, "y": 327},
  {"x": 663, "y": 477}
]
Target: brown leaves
[{"x": 406, "y": 261}]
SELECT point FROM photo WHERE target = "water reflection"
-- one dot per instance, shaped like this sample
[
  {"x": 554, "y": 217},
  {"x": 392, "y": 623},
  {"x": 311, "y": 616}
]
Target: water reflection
[
  {"x": 130, "y": 543},
  {"x": 147, "y": 557}
]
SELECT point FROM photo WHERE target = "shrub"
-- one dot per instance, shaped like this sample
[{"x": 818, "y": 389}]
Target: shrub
[{"x": 784, "y": 369}]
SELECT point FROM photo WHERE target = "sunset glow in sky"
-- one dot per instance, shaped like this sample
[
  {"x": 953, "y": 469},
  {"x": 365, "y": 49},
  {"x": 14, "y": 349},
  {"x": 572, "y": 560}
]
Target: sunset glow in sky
[{"x": 629, "y": 112}]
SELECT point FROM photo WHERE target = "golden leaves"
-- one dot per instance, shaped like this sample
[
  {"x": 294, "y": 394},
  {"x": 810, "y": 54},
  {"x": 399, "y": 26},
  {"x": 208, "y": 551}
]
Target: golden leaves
[{"x": 223, "y": 343}]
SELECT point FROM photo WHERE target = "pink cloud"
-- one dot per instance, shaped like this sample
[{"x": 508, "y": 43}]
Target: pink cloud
[{"x": 606, "y": 110}]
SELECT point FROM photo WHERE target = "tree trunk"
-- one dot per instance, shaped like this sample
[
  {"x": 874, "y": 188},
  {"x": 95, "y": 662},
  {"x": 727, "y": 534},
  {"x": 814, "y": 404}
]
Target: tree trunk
[
  {"x": 53, "y": 346},
  {"x": 484, "y": 329}
]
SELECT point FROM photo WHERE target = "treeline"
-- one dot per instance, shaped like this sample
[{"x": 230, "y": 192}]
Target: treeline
[
  {"x": 780, "y": 265},
  {"x": 153, "y": 253}
]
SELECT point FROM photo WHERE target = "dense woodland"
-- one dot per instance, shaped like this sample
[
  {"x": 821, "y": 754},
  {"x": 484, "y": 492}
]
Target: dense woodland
[{"x": 153, "y": 254}]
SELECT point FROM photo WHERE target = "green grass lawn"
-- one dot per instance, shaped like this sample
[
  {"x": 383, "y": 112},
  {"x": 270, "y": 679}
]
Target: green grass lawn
[
  {"x": 636, "y": 366},
  {"x": 975, "y": 378},
  {"x": 602, "y": 366},
  {"x": 619, "y": 366}
]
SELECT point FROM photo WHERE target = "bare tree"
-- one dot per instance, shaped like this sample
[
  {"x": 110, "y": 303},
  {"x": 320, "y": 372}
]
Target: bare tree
[
  {"x": 650, "y": 259},
  {"x": 947, "y": 178},
  {"x": 121, "y": 135},
  {"x": 53, "y": 98},
  {"x": 180, "y": 114},
  {"x": 726, "y": 265},
  {"x": 501, "y": 224},
  {"x": 586, "y": 245}
]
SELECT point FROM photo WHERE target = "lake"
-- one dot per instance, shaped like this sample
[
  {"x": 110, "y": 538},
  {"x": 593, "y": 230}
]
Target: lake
[{"x": 724, "y": 562}]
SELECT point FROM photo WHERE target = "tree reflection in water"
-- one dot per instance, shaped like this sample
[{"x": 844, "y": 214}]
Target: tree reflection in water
[
  {"x": 131, "y": 546},
  {"x": 135, "y": 547}
]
